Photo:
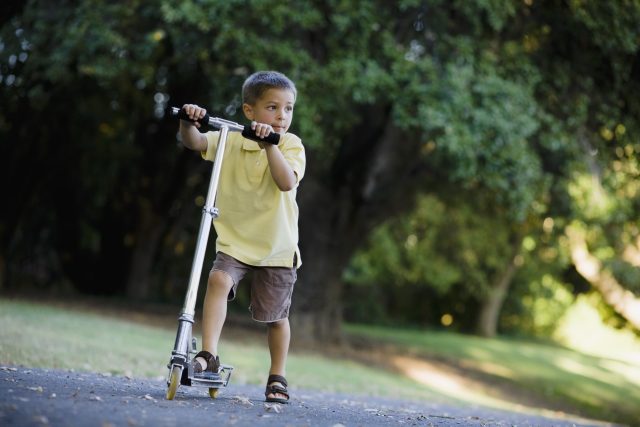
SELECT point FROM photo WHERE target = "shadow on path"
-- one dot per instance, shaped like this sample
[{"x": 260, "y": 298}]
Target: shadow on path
[{"x": 40, "y": 397}]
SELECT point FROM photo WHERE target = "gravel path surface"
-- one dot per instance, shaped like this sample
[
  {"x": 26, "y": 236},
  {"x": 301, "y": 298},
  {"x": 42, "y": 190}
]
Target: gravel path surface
[{"x": 39, "y": 397}]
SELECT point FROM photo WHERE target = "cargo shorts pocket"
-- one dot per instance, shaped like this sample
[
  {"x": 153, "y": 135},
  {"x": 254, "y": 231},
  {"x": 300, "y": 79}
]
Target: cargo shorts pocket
[{"x": 271, "y": 292}]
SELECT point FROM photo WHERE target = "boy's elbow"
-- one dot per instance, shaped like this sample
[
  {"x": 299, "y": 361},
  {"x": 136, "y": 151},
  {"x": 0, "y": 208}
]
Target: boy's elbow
[
  {"x": 287, "y": 183},
  {"x": 287, "y": 186}
]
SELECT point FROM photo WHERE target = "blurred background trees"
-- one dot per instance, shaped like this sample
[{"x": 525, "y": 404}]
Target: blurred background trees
[{"x": 471, "y": 164}]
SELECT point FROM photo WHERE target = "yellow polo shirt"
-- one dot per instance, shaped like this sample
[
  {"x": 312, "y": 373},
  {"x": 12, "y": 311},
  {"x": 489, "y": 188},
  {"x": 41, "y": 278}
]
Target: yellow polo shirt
[{"x": 257, "y": 223}]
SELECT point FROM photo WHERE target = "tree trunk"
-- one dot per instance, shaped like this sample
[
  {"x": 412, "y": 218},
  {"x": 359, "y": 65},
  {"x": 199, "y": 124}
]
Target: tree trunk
[
  {"x": 588, "y": 266},
  {"x": 631, "y": 253},
  {"x": 317, "y": 314},
  {"x": 3, "y": 272},
  {"x": 621, "y": 300},
  {"x": 337, "y": 212},
  {"x": 491, "y": 306},
  {"x": 147, "y": 243}
]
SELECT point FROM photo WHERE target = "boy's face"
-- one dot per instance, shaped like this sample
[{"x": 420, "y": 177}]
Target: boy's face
[{"x": 274, "y": 107}]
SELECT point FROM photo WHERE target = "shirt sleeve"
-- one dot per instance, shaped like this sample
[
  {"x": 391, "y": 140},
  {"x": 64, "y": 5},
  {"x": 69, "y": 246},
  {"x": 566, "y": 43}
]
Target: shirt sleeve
[
  {"x": 294, "y": 155},
  {"x": 212, "y": 143}
]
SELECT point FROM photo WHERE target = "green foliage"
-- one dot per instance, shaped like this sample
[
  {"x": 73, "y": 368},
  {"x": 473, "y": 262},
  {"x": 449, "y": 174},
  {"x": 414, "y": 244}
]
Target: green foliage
[
  {"x": 534, "y": 311},
  {"x": 415, "y": 259},
  {"x": 496, "y": 12},
  {"x": 508, "y": 111},
  {"x": 530, "y": 119},
  {"x": 435, "y": 261},
  {"x": 626, "y": 273},
  {"x": 480, "y": 125},
  {"x": 613, "y": 25}
]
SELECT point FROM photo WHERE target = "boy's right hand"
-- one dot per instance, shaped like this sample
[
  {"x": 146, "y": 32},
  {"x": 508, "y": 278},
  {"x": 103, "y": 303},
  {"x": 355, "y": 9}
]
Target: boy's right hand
[{"x": 194, "y": 112}]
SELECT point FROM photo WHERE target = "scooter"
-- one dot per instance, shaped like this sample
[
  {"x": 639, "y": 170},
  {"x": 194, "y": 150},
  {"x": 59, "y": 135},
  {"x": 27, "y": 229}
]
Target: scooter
[{"x": 180, "y": 366}]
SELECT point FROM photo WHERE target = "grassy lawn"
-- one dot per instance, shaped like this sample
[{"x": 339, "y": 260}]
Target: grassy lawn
[
  {"x": 36, "y": 335},
  {"x": 422, "y": 365},
  {"x": 604, "y": 387}
]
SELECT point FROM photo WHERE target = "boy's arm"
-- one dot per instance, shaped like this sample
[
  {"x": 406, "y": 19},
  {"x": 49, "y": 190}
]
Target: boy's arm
[
  {"x": 189, "y": 133},
  {"x": 282, "y": 173}
]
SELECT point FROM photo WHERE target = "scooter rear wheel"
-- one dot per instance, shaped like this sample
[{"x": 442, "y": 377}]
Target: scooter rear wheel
[{"x": 174, "y": 381}]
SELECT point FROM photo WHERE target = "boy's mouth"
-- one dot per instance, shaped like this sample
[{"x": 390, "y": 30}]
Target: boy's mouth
[{"x": 279, "y": 129}]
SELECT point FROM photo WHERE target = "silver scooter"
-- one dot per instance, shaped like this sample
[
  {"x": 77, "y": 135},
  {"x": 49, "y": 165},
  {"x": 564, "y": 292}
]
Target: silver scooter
[{"x": 180, "y": 366}]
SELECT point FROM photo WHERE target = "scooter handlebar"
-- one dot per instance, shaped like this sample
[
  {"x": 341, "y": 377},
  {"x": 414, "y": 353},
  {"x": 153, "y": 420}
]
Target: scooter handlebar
[
  {"x": 216, "y": 123},
  {"x": 182, "y": 115}
]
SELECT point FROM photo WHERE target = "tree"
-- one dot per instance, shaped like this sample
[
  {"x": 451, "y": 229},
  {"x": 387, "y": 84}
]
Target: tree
[
  {"x": 564, "y": 50},
  {"x": 394, "y": 98}
]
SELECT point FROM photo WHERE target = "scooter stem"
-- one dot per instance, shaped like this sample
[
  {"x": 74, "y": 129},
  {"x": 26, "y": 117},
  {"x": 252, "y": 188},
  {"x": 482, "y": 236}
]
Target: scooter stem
[{"x": 209, "y": 213}]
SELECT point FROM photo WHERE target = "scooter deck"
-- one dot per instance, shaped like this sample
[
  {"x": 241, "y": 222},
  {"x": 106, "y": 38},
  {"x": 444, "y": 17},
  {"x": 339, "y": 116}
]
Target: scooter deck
[{"x": 211, "y": 380}]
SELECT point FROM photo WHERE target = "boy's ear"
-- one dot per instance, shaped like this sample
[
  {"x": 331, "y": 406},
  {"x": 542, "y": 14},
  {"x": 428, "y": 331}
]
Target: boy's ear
[{"x": 248, "y": 111}]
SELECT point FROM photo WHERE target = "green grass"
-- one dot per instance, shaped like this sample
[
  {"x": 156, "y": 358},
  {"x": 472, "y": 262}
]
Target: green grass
[
  {"x": 36, "y": 335},
  {"x": 603, "y": 387}
]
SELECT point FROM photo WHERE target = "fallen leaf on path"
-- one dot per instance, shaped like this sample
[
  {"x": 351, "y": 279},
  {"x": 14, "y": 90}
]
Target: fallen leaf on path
[
  {"x": 41, "y": 419},
  {"x": 273, "y": 408},
  {"x": 39, "y": 389},
  {"x": 243, "y": 400},
  {"x": 442, "y": 416}
]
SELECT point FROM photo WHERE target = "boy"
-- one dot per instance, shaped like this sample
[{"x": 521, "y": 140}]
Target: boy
[{"x": 258, "y": 224}]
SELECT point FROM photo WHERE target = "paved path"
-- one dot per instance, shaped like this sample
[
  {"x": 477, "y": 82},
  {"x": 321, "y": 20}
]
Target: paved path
[{"x": 37, "y": 397}]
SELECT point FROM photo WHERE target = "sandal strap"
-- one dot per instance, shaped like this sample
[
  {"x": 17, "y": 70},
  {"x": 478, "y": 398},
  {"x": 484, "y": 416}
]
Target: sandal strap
[
  {"x": 277, "y": 379},
  {"x": 206, "y": 356},
  {"x": 273, "y": 389}
]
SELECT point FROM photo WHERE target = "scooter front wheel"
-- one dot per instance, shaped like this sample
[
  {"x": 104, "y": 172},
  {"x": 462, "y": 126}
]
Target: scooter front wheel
[
  {"x": 213, "y": 392},
  {"x": 174, "y": 381}
]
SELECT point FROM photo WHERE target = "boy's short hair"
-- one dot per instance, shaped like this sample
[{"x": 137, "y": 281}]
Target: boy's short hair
[{"x": 259, "y": 82}]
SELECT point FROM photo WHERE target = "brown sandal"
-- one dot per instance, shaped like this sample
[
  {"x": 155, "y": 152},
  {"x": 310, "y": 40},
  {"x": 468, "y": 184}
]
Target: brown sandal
[
  {"x": 273, "y": 389},
  {"x": 213, "y": 364}
]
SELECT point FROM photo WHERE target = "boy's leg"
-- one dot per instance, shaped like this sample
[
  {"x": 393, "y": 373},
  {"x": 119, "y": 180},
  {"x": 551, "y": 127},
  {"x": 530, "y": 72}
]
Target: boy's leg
[
  {"x": 271, "y": 291},
  {"x": 278, "y": 337},
  {"x": 214, "y": 311}
]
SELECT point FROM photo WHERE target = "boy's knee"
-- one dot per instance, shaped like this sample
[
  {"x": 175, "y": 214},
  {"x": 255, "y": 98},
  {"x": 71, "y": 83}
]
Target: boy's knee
[
  {"x": 278, "y": 323},
  {"x": 220, "y": 280}
]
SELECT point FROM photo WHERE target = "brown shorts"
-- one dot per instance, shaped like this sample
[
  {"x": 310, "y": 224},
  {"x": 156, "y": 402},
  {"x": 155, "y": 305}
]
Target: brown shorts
[{"x": 271, "y": 287}]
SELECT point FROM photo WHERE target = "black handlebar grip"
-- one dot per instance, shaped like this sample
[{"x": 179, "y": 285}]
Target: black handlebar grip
[
  {"x": 182, "y": 115},
  {"x": 272, "y": 138}
]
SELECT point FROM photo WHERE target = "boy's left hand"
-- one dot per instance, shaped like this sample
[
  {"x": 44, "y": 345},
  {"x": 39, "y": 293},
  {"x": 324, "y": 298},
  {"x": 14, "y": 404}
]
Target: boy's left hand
[{"x": 262, "y": 130}]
